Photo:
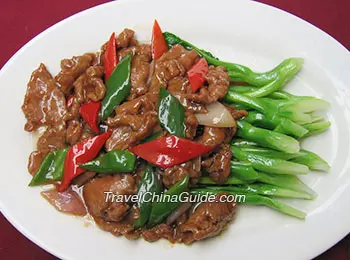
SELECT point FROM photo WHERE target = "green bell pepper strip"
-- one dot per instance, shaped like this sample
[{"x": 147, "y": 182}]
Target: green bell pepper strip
[
  {"x": 270, "y": 165},
  {"x": 239, "y": 72},
  {"x": 267, "y": 138},
  {"x": 265, "y": 190},
  {"x": 51, "y": 169},
  {"x": 112, "y": 162},
  {"x": 118, "y": 87},
  {"x": 149, "y": 185},
  {"x": 171, "y": 113},
  {"x": 162, "y": 209},
  {"x": 257, "y": 200}
]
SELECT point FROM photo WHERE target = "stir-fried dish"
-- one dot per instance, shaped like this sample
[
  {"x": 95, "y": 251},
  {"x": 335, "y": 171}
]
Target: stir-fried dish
[{"x": 168, "y": 119}]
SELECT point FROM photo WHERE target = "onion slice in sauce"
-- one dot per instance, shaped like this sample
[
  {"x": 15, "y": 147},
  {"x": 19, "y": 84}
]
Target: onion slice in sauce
[
  {"x": 178, "y": 212},
  {"x": 218, "y": 116},
  {"x": 68, "y": 201}
]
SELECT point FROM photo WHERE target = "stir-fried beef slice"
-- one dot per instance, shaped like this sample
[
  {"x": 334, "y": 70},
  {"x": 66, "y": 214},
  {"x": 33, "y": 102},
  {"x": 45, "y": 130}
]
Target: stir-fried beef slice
[
  {"x": 172, "y": 175},
  {"x": 172, "y": 64},
  {"x": 52, "y": 139},
  {"x": 72, "y": 69},
  {"x": 158, "y": 232},
  {"x": 124, "y": 227},
  {"x": 215, "y": 136},
  {"x": 237, "y": 114},
  {"x": 218, "y": 83},
  {"x": 218, "y": 164},
  {"x": 74, "y": 131},
  {"x": 34, "y": 161},
  {"x": 180, "y": 88},
  {"x": 90, "y": 85},
  {"x": 44, "y": 103},
  {"x": 105, "y": 208},
  {"x": 125, "y": 39},
  {"x": 134, "y": 121},
  {"x": 191, "y": 124},
  {"x": 208, "y": 220},
  {"x": 140, "y": 69}
]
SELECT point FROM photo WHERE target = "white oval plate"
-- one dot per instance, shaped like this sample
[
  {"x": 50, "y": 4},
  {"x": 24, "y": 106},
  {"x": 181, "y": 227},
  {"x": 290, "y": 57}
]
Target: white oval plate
[{"x": 241, "y": 31}]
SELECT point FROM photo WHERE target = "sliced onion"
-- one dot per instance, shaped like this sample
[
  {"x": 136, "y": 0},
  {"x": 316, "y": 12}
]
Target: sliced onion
[
  {"x": 67, "y": 201},
  {"x": 218, "y": 116},
  {"x": 178, "y": 212}
]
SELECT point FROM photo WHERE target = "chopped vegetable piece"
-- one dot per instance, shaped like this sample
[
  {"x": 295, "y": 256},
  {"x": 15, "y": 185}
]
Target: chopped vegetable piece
[
  {"x": 67, "y": 201},
  {"x": 51, "y": 169},
  {"x": 168, "y": 151},
  {"x": 217, "y": 116},
  {"x": 110, "y": 59},
  {"x": 149, "y": 185},
  {"x": 112, "y": 162},
  {"x": 89, "y": 112},
  {"x": 159, "y": 46},
  {"x": 171, "y": 113},
  {"x": 80, "y": 153},
  {"x": 196, "y": 75},
  {"x": 162, "y": 209},
  {"x": 118, "y": 87}
]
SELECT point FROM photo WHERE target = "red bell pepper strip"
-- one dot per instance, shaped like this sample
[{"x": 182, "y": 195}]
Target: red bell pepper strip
[
  {"x": 80, "y": 153},
  {"x": 196, "y": 75},
  {"x": 170, "y": 150},
  {"x": 159, "y": 45},
  {"x": 89, "y": 112},
  {"x": 110, "y": 59}
]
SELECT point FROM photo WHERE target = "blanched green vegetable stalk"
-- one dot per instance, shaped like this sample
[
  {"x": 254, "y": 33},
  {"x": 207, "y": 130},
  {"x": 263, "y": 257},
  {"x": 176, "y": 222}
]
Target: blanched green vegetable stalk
[
  {"x": 270, "y": 153},
  {"x": 254, "y": 199},
  {"x": 301, "y": 110},
  {"x": 264, "y": 189},
  {"x": 268, "y": 116},
  {"x": 267, "y": 138},
  {"x": 270, "y": 165},
  {"x": 276, "y": 123},
  {"x": 316, "y": 128},
  {"x": 290, "y": 182},
  {"x": 286, "y": 181},
  {"x": 283, "y": 76},
  {"x": 239, "y": 72},
  {"x": 312, "y": 160},
  {"x": 233, "y": 180},
  {"x": 244, "y": 171},
  {"x": 308, "y": 158}
]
